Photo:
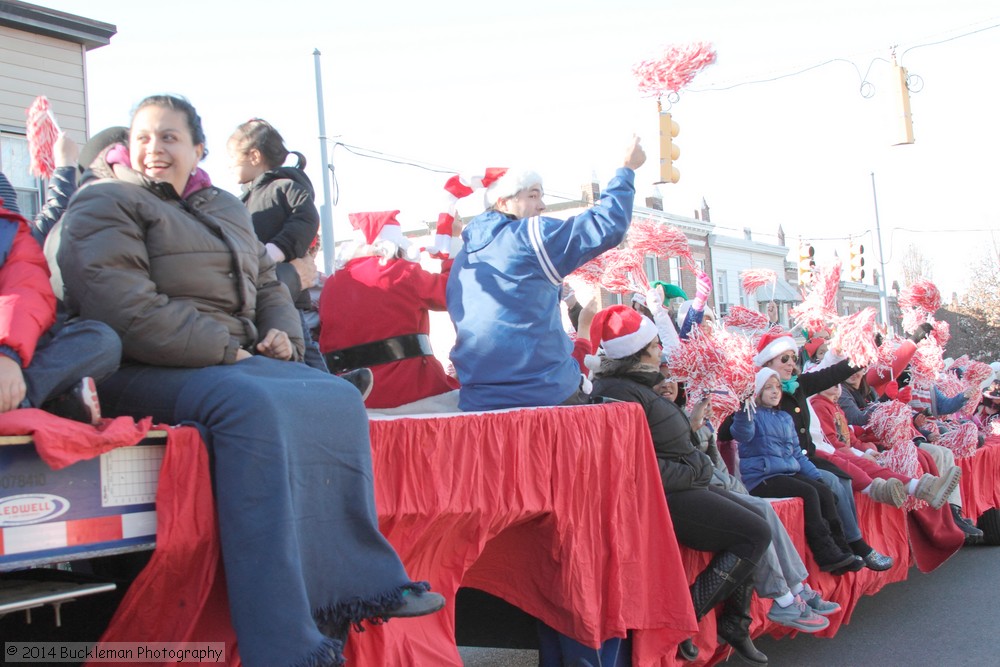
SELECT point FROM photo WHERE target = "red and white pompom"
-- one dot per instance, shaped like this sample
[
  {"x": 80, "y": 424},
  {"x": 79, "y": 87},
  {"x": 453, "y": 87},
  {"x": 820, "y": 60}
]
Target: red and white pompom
[
  {"x": 819, "y": 306},
  {"x": 941, "y": 332},
  {"x": 926, "y": 364},
  {"x": 962, "y": 440},
  {"x": 975, "y": 373},
  {"x": 891, "y": 423},
  {"x": 902, "y": 459},
  {"x": 42, "y": 135},
  {"x": 674, "y": 69},
  {"x": 657, "y": 239},
  {"x": 949, "y": 384},
  {"x": 887, "y": 355},
  {"x": 589, "y": 274},
  {"x": 855, "y": 337},
  {"x": 913, "y": 318},
  {"x": 708, "y": 364},
  {"x": 624, "y": 271},
  {"x": 754, "y": 279},
  {"x": 922, "y": 294},
  {"x": 742, "y": 317}
]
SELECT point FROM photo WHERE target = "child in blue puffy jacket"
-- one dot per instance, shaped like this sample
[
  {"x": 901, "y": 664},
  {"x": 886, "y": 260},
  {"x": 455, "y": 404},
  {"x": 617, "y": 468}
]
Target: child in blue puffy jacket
[{"x": 772, "y": 465}]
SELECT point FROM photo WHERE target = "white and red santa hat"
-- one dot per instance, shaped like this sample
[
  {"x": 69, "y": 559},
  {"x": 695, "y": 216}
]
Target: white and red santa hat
[
  {"x": 458, "y": 187},
  {"x": 499, "y": 182},
  {"x": 772, "y": 344},
  {"x": 621, "y": 331},
  {"x": 379, "y": 225},
  {"x": 512, "y": 182}
]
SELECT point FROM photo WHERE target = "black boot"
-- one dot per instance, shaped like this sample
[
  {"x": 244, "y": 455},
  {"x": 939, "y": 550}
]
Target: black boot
[
  {"x": 972, "y": 534},
  {"x": 687, "y": 650},
  {"x": 828, "y": 554},
  {"x": 734, "y": 625},
  {"x": 717, "y": 581}
]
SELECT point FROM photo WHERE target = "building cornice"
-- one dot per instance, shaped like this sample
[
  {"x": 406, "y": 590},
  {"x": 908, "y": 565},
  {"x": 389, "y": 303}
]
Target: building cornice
[{"x": 60, "y": 25}]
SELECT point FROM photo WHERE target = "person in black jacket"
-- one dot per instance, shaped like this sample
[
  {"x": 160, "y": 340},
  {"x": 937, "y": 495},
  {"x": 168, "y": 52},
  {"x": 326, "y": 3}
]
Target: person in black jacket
[
  {"x": 705, "y": 518},
  {"x": 281, "y": 201}
]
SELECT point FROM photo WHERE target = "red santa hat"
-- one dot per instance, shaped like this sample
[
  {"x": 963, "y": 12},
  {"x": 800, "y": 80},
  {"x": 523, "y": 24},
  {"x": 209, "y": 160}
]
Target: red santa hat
[
  {"x": 621, "y": 331},
  {"x": 772, "y": 344},
  {"x": 380, "y": 225}
]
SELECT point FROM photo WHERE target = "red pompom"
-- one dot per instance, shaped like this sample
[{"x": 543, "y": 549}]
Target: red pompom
[{"x": 674, "y": 69}]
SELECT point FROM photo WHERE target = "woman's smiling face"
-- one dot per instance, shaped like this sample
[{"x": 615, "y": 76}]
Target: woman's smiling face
[{"x": 161, "y": 146}]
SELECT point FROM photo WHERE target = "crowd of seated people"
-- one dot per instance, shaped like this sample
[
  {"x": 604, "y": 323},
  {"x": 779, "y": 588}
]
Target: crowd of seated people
[{"x": 199, "y": 296}]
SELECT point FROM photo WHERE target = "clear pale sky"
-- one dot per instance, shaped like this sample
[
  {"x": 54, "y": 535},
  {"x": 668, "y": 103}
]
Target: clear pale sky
[{"x": 548, "y": 85}]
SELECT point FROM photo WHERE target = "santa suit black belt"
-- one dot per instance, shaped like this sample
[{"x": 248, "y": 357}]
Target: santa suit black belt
[{"x": 378, "y": 352}]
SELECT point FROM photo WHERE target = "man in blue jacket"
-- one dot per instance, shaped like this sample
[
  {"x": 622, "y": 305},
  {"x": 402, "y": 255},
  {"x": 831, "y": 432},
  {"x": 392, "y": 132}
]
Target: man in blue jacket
[{"x": 503, "y": 292}]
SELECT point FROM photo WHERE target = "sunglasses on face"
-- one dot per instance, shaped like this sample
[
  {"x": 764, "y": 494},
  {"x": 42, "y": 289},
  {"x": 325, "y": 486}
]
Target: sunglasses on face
[{"x": 785, "y": 358}]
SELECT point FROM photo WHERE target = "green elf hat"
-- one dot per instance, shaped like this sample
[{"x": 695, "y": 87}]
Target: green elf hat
[{"x": 669, "y": 291}]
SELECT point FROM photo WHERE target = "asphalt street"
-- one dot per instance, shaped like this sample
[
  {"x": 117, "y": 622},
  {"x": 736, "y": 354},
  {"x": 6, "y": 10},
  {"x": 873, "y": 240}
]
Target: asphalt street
[{"x": 947, "y": 617}]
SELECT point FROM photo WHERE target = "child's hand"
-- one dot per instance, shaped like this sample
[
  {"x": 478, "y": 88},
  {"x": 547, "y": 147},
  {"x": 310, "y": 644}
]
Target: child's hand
[{"x": 12, "y": 386}]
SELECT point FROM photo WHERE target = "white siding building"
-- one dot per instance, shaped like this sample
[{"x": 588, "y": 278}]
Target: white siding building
[{"x": 42, "y": 52}]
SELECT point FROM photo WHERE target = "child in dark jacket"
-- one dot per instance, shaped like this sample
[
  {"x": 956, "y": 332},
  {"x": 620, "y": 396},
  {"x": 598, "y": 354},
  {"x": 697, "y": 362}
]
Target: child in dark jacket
[
  {"x": 282, "y": 206},
  {"x": 773, "y": 465}
]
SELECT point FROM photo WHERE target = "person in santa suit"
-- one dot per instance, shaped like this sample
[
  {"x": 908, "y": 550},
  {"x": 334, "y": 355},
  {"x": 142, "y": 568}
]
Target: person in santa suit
[{"x": 374, "y": 314}]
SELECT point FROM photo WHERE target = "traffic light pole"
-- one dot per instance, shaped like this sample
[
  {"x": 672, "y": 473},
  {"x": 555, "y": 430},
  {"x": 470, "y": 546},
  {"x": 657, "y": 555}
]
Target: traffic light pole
[{"x": 883, "y": 294}]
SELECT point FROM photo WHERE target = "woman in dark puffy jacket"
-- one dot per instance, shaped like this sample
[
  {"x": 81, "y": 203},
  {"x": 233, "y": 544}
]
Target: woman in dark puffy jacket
[
  {"x": 172, "y": 264},
  {"x": 705, "y": 518}
]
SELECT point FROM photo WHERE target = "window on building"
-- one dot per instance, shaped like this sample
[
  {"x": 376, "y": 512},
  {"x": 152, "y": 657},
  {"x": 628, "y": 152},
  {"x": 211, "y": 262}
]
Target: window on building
[
  {"x": 15, "y": 162},
  {"x": 649, "y": 263},
  {"x": 722, "y": 291},
  {"x": 674, "y": 266}
]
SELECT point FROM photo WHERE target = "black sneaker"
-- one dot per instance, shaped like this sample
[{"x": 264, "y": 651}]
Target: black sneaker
[
  {"x": 79, "y": 403},
  {"x": 361, "y": 378}
]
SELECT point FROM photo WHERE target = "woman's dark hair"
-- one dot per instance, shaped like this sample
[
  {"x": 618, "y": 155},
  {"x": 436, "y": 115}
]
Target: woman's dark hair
[
  {"x": 614, "y": 367},
  {"x": 258, "y": 134},
  {"x": 178, "y": 103}
]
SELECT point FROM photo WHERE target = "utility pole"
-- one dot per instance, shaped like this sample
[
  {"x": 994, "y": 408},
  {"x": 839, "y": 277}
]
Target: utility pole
[
  {"x": 883, "y": 294},
  {"x": 325, "y": 211}
]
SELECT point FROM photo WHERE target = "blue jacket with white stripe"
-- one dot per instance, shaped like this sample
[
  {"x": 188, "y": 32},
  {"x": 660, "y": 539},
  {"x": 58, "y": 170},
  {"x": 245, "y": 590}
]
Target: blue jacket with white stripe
[{"x": 503, "y": 296}]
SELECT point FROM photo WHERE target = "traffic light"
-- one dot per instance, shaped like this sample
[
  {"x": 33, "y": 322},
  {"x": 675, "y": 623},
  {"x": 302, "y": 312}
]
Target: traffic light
[
  {"x": 806, "y": 263},
  {"x": 669, "y": 151},
  {"x": 905, "y": 120},
  {"x": 857, "y": 262}
]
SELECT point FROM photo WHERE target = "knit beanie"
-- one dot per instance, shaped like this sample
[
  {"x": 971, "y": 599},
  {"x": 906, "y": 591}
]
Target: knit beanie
[
  {"x": 763, "y": 375},
  {"x": 621, "y": 331}
]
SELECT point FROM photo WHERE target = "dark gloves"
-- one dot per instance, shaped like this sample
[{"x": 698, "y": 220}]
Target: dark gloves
[{"x": 921, "y": 332}]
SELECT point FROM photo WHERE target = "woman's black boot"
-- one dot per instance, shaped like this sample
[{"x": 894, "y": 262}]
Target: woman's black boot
[{"x": 734, "y": 625}]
